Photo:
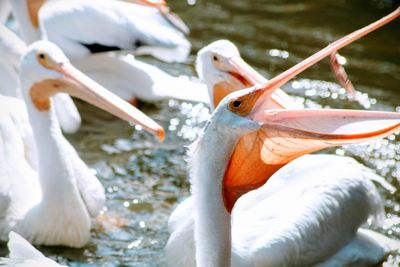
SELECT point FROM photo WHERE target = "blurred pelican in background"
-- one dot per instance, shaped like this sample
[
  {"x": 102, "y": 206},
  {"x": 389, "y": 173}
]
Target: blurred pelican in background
[
  {"x": 82, "y": 27},
  {"x": 124, "y": 25}
]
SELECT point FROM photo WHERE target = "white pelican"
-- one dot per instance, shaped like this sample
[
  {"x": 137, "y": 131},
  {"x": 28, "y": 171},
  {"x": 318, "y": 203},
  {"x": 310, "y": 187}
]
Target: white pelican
[
  {"x": 310, "y": 210},
  {"x": 11, "y": 50},
  {"x": 81, "y": 27},
  {"x": 128, "y": 78},
  {"x": 53, "y": 205},
  {"x": 221, "y": 68}
]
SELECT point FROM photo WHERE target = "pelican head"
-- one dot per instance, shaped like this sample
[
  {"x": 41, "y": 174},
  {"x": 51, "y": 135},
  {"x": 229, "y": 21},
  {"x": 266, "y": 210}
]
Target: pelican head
[
  {"x": 280, "y": 135},
  {"x": 230, "y": 116},
  {"x": 46, "y": 71},
  {"x": 220, "y": 66}
]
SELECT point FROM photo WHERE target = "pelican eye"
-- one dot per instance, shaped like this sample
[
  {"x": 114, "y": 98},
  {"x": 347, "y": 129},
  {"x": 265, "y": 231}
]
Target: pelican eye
[
  {"x": 236, "y": 103},
  {"x": 244, "y": 104},
  {"x": 215, "y": 58},
  {"x": 46, "y": 61}
]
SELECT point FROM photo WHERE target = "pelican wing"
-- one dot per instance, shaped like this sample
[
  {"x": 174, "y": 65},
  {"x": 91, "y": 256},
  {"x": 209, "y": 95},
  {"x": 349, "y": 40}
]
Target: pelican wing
[
  {"x": 23, "y": 254},
  {"x": 90, "y": 188},
  {"x": 67, "y": 113},
  {"x": 76, "y": 25},
  {"x": 127, "y": 77},
  {"x": 17, "y": 162},
  {"x": 308, "y": 211},
  {"x": 16, "y": 128},
  {"x": 367, "y": 249},
  {"x": 11, "y": 49},
  {"x": 180, "y": 249}
]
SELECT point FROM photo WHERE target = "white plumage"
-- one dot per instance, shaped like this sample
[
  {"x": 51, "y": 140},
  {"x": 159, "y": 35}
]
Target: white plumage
[
  {"x": 305, "y": 214},
  {"x": 45, "y": 204},
  {"x": 77, "y": 25},
  {"x": 23, "y": 254},
  {"x": 53, "y": 203},
  {"x": 130, "y": 78},
  {"x": 11, "y": 50},
  {"x": 308, "y": 213},
  {"x": 5, "y": 10}
]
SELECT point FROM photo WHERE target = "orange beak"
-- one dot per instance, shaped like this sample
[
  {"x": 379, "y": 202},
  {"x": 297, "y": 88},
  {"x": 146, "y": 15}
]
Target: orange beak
[
  {"x": 153, "y": 3},
  {"x": 171, "y": 17},
  {"x": 288, "y": 134},
  {"x": 75, "y": 83},
  {"x": 341, "y": 75},
  {"x": 80, "y": 86},
  {"x": 269, "y": 87}
]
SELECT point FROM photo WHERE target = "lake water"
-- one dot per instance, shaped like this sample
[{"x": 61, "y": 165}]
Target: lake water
[{"x": 145, "y": 180}]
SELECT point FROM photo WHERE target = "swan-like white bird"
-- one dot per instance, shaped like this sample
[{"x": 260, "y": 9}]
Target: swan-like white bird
[
  {"x": 333, "y": 195},
  {"x": 11, "y": 50},
  {"x": 82, "y": 27},
  {"x": 54, "y": 204}
]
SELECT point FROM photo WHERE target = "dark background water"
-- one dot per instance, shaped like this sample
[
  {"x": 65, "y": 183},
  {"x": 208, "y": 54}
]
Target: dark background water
[{"x": 145, "y": 180}]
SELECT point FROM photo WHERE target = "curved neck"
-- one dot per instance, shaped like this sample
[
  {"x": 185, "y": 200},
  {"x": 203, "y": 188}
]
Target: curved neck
[
  {"x": 25, "y": 12},
  {"x": 56, "y": 170},
  {"x": 212, "y": 221}
]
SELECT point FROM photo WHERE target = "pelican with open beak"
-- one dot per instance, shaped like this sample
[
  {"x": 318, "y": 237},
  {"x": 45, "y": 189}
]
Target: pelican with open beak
[
  {"x": 53, "y": 204},
  {"x": 258, "y": 201}
]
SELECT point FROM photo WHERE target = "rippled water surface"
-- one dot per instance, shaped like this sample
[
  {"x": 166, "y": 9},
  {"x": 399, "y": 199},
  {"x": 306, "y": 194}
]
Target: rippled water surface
[{"x": 145, "y": 180}]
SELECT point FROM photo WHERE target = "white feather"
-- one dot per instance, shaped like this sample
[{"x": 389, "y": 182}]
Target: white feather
[
  {"x": 307, "y": 213},
  {"x": 23, "y": 254},
  {"x": 111, "y": 23},
  {"x": 11, "y": 50},
  {"x": 128, "y": 77}
]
